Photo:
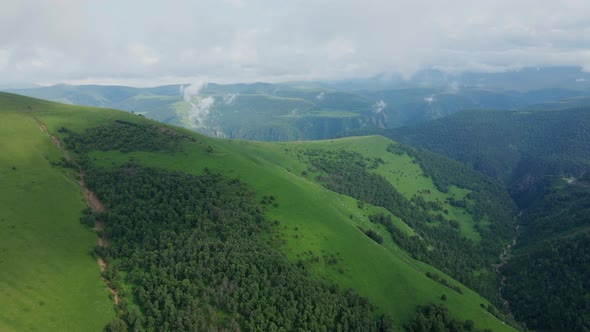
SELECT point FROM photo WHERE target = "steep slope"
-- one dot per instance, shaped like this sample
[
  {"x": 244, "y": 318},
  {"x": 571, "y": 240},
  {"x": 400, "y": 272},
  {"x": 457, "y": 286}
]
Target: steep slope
[
  {"x": 48, "y": 278},
  {"x": 547, "y": 282},
  {"x": 319, "y": 227}
]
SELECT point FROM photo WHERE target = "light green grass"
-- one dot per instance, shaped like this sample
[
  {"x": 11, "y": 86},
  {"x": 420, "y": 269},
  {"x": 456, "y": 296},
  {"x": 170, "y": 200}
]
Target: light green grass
[
  {"x": 48, "y": 279},
  {"x": 407, "y": 176}
]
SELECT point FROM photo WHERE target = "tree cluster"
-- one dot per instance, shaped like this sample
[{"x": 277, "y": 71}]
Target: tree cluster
[
  {"x": 124, "y": 136},
  {"x": 435, "y": 318}
]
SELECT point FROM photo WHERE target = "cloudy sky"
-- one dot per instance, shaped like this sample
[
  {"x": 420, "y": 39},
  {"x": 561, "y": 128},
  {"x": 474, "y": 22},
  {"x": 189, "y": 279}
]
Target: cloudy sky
[{"x": 157, "y": 42}]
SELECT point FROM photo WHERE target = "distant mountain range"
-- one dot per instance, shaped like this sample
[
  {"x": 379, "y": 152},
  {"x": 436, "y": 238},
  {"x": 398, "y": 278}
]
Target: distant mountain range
[{"x": 320, "y": 110}]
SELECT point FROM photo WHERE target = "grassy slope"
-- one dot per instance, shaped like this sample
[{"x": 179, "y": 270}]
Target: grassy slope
[
  {"x": 48, "y": 280},
  {"x": 402, "y": 172},
  {"x": 387, "y": 275},
  {"x": 317, "y": 220},
  {"x": 312, "y": 218}
]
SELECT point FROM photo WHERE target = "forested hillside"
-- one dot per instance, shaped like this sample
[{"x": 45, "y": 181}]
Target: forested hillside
[
  {"x": 548, "y": 277},
  {"x": 544, "y": 158},
  {"x": 517, "y": 147}
]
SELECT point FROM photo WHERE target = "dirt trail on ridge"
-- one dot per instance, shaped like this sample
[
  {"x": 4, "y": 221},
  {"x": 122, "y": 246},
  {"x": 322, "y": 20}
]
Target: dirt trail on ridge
[{"x": 93, "y": 203}]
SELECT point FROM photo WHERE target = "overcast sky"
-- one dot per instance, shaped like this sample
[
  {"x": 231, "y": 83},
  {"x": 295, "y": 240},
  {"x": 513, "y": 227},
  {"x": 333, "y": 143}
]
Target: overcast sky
[{"x": 159, "y": 42}]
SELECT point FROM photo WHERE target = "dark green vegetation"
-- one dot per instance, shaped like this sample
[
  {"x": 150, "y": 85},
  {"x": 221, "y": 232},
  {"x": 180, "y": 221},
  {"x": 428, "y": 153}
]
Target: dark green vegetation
[
  {"x": 434, "y": 317},
  {"x": 549, "y": 275},
  {"x": 125, "y": 136},
  {"x": 260, "y": 190},
  {"x": 518, "y": 147},
  {"x": 198, "y": 261}
]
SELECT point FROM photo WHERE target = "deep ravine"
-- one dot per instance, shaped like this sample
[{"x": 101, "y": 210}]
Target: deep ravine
[{"x": 504, "y": 258}]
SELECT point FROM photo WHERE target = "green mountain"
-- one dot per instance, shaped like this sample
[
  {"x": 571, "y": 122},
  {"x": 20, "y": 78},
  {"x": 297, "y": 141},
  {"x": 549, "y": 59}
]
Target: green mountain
[
  {"x": 298, "y": 111},
  {"x": 192, "y": 232}
]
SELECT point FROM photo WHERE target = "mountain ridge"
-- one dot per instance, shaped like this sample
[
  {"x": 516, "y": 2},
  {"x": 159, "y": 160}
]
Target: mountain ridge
[{"x": 235, "y": 159}]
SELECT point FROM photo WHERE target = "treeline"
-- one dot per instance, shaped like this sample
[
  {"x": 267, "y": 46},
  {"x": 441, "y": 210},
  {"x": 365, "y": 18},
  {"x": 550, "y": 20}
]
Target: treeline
[
  {"x": 348, "y": 173},
  {"x": 444, "y": 282},
  {"x": 435, "y": 317},
  {"x": 548, "y": 278},
  {"x": 192, "y": 253},
  {"x": 124, "y": 136}
]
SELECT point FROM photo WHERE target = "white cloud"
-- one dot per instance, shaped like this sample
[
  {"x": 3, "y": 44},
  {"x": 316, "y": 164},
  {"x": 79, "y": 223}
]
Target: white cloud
[
  {"x": 191, "y": 91},
  {"x": 379, "y": 106},
  {"x": 4, "y": 58},
  {"x": 264, "y": 40},
  {"x": 144, "y": 54},
  {"x": 200, "y": 106},
  {"x": 320, "y": 96},
  {"x": 229, "y": 98},
  {"x": 453, "y": 88}
]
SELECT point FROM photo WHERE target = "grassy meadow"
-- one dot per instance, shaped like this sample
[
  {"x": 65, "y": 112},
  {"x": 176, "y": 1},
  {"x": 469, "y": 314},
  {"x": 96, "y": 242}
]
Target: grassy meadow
[{"x": 48, "y": 279}]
